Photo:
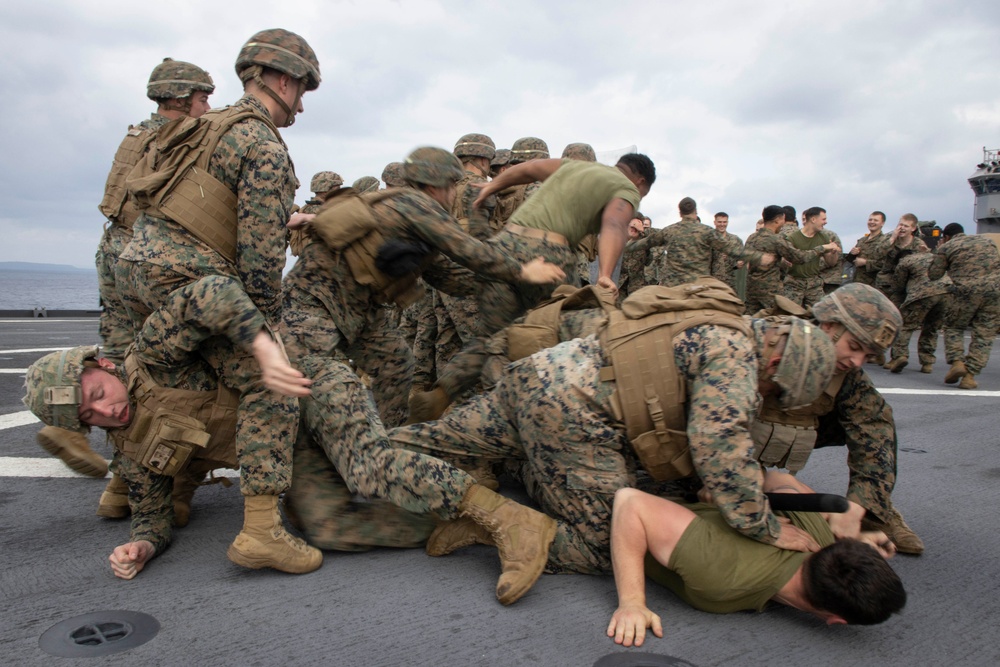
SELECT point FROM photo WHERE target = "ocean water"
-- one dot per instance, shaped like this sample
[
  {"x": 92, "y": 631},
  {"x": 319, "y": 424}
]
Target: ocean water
[{"x": 53, "y": 290}]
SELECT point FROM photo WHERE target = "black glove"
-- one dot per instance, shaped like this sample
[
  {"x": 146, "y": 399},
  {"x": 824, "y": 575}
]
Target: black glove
[{"x": 399, "y": 258}]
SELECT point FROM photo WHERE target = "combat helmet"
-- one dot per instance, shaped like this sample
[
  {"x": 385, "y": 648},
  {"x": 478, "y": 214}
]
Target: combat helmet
[
  {"x": 366, "y": 184},
  {"x": 807, "y": 363},
  {"x": 862, "y": 310},
  {"x": 393, "y": 175},
  {"x": 582, "y": 152},
  {"x": 325, "y": 181},
  {"x": 528, "y": 148},
  {"x": 176, "y": 79},
  {"x": 475, "y": 145},
  {"x": 279, "y": 50},
  {"x": 52, "y": 387},
  {"x": 501, "y": 158},
  {"x": 432, "y": 166}
]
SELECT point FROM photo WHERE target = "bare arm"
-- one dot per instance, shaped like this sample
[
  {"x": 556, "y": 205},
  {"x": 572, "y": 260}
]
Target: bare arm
[
  {"x": 519, "y": 174},
  {"x": 614, "y": 233}
]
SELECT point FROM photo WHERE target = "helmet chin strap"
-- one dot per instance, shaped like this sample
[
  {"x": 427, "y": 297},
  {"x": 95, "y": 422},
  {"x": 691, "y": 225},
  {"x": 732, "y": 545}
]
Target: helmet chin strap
[{"x": 255, "y": 74}]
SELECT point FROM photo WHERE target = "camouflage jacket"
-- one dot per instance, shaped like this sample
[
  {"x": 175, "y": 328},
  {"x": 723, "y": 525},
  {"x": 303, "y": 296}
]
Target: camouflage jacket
[
  {"x": 766, "y": 281},
  {"x": 635, "y": 259},
  {"x": 833, "y": 275},
  {"x": 868, "y": 245},
  {"x": 254, "y": 163},
  {"x": 116, "y": 204},
  {"x": 475, "y": 221},
  {"x": 723, "y": 266},
  {"x": 913, "y": 282},
  {"x": 507, "y": 202},
  {"x": 972, "y": 263},
  {"x": 689, "y": 246},
  {"x": 887, "y": 255}
]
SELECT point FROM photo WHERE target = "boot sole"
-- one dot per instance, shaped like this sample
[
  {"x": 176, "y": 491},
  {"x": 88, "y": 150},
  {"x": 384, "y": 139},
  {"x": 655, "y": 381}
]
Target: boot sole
[
  {"x": 75, "y": 463},
  {"x": 511, "y": 595}
]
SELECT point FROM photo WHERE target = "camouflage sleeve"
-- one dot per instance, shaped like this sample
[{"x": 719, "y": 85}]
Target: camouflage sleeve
[
  {"x": 901, "y": 277},
  {"x": 264, "y": 198},
  {"x": 211, "y": 306},
  {"x": 441, "y": 231},
  {"x": 939, "y": 265},
  {"x": 732, "y": 246},
  {"x": 149, "y": 499},
  {"x": 446, "y": 276},
  {"x": 424, "y": 371},
  {"x": 722, "y": 396},
  {"x": 871, "y": 442}
]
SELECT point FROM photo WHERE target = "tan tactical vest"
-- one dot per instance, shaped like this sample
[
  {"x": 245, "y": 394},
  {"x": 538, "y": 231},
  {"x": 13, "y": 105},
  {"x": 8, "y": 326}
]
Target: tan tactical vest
[
  {"x": 347, "y": 225},
  {"x": 172, "y": 181},
  {"x": 540, "y": 328},
  {"x": 650, "y": 394},
  {"x": 116, "y": 205},
  {"x": 171, "y": 427},
  {"x": 786, "y": 438}
]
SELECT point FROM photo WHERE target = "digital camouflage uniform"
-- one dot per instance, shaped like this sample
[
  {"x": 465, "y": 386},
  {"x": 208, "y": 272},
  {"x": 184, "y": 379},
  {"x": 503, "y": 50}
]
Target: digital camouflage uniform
[
  {"x": 634, "y": 263},
  {"x": 922, "y": 304},
  {"x": 868, "y": 244},
  {"x": 763, "y": 283},
  {"x": 973, "y": 264},
  {"x": 887, "y": 255},
  {"x": 689, "y": 245},
  {"x": 553, "y": 412},
  {"x": 833, "y": 276},
  {"x": 724, "y": 266},
  {"x": 253, "y": 162}
]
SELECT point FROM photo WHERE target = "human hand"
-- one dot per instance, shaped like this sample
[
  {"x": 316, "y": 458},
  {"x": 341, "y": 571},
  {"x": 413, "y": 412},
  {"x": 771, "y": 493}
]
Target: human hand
[
  {"x": 607, "y": 283},
  {"x": 860, "y": 261},
  {"x": 856, "y": 250},
  {"x": 880, "y": 542},
  {"x": 540, "y": 272},
  {"x": 300, "y": 220},
  {"x": 768, "y": 259},
  {"x": 794, "y": 539},
  {"x": 832, "y": 247},
  {"x": 705, "y": 496},
  {"x": 276, "y": 373},
  {"x": 739, "y": 264},
  {"x": 127, "y": 560},
  {"x": 484, "y": 193},
  {"x": 847, "y": 524},
  {"x": 629, "y": 622}
]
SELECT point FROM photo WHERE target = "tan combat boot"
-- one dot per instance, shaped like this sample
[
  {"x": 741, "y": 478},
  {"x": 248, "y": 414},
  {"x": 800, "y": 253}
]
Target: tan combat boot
[
  {"x": 186, "y": 482},
  {"x": 902, "y": 535},
  {"x": 454, "y": 535},
  {"x": 264, "y": 542},
  {"x": 521, "y": 535},
  {"x": 73, "y": 449},
  {"x": 114, "y": 499},
  {"x": 877, "y": 359},
  {"x": 898, "y": 364},
  {"x": 426, "y": 406},
  {"x": 968, "y": 382},
  {"x": 955, "y": 373},
  {"x": 927, "y": 368}
]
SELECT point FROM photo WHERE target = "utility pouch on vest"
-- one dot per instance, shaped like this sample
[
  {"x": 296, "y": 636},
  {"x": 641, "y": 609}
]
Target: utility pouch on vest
[
  {"x": 171, "y": 441},
  {"x": 782, "y": 445},
  {"x": 540, "y": 328}
]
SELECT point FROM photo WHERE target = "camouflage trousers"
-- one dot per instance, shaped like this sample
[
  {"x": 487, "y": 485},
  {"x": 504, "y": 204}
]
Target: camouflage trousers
[
  {"x": 760, "y": 293},
  {"x": 332, "y": 518},
  {"x": 975, "y": 310},
  {"x": 803, "y": 291},
  {"x": 573, "y": 460},
  {"x": 926, "y": 314},
  {"x": 341, "y": 418},
  {"x": 424, "y": 341},
  {"x": 267, "y": 423},
  {"x": 116, "y": 329}
]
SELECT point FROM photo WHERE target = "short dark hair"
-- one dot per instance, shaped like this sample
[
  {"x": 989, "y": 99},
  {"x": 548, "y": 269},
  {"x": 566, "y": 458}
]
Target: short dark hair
[
  {"x": 879, "y": 213},
  {"x": 721, "y": 214},
  {"x": 773, "y": 211},
  {"x": 687, "y": 206},
  {"x": 641, "y": 165},
  {"x": 813, "y": 212},
  {"x": 953, "y": 228},
  {"x": 850, "y": 579},
  {"x": 790, "y": 213}
]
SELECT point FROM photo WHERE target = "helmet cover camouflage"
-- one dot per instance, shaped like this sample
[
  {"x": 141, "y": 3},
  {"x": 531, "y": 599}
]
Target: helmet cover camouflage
[
  {"x": 52, "y": 387},
  {"x": 475, "y": 145},
  {"x": 325, "y": 181},
  {"x": 807, "y": 363},
  {"x": 432, "y": 166},
  {"x": 176, "y": 79},
  {"x": 282, "y": 51},
  {"x": 528, "y": 148},
  {"x": 864, "y": 311},
  {"x": 366, "y": 184},
  {"x": 582, "y": 152},
  {"x": 501, "y": 158},
  {"x": 393, "y": 175}
]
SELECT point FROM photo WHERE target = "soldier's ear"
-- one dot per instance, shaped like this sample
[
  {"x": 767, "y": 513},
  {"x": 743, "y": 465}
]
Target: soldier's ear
[{"x": 106, "y": 364}]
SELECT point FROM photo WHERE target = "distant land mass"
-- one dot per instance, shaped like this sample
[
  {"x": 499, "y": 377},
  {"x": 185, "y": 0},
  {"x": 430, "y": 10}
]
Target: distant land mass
[{"x": 33, "y": 266}]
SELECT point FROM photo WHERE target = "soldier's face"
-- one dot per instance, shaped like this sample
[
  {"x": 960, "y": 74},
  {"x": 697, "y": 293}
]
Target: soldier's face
[
  {"x": 906, "y": 227},
  {"x": 721, "y": 223},
  {"x": 851, "y": 352},
  {"x": 875, "y": 222},
  {"x": 104, "y": 399},
  {"x": 199, "y": 104}
]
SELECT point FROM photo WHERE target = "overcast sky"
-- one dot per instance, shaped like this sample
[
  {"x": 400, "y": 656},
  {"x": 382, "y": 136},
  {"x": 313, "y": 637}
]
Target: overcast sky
[{"x": 853, "y": 106}]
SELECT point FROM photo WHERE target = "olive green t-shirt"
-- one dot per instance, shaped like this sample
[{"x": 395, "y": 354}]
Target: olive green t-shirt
[
  {"x": 803, "y": 242},
  {"x": 571, "y": 200},
  {"x": 716, "y": 569}
]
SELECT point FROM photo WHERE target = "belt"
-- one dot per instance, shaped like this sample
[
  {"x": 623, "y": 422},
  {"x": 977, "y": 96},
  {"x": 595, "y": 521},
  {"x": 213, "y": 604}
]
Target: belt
[{"x": 551, "y": 237}]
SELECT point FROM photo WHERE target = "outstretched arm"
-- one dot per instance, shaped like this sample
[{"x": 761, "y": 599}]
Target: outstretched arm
[
  {"x": 519, "y": 174},
  {"x": 611, "y": 241}
]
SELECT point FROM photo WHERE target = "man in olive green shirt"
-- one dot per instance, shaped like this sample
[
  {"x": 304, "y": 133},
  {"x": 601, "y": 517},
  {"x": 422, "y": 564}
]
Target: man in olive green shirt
[{"x": 692, "y": 551}]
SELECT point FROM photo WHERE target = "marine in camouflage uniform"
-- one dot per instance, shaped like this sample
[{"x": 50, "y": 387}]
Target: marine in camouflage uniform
[
  {"x": 973, "y": 265},
  {"x": 724, "y": 266},
  {"x": 689, "y": 245},
  {"x": 586, "y": 250},
  {"x": 575, "y": 474},
  {"x": 509, "y": 199},
  {"x": 922, "y": 304},
  {"x": 904, "y": 237},
  {"x": 323, "y": 185},
  {"x": 633, "y": 271},
  {"x": 866, "y": 249},
  {"x": 252, "y": 161},
  {"x": 832, "y": 275}
]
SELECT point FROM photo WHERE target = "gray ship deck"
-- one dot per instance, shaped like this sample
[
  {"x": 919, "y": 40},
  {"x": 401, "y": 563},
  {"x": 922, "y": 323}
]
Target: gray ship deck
[{"x": 401, "y": 607}]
